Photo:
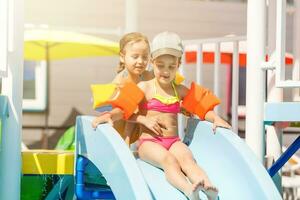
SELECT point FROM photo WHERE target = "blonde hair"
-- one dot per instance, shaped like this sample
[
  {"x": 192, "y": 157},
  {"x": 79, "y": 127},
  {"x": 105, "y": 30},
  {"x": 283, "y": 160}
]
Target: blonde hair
[{"x": 128, "y": 38}]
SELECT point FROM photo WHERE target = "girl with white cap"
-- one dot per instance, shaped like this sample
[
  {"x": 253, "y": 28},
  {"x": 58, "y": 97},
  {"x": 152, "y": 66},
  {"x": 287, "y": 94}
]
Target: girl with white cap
[{"x": 159, "y": 143}]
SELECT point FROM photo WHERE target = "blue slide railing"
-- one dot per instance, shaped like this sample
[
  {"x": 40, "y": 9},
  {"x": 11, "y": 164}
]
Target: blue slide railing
[
  {"x": 293, "y": 148},
  {"x": 84, "y": 192}
]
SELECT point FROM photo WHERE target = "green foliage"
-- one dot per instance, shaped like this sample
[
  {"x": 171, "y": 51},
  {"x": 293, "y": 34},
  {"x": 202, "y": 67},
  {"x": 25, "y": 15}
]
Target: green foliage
[{"x": 67, "y": 140}]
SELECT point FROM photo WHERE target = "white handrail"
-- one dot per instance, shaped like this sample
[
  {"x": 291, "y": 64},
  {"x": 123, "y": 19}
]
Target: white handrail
[
  {"x": 296, "y": 51},
  {"x": 280, "y": 47},
  {"x": 214, "y": 40},
  {"x": 235, "y": 87},
  {"x": 217, "y": 81},
  {"x": 215, "y": 45},
  {"x": 199, "y": 68},
  {"x": 280, "y": 40}
]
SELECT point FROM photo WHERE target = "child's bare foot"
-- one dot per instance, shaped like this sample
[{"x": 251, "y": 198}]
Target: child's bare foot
[
  {"x": 211, "y": 192},
  {"x": 196, "y": 187}
]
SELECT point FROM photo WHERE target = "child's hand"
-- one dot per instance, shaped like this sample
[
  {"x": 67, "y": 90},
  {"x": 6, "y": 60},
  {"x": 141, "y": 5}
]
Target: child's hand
[
  {"x": 185, "y": 112},
  {"x": 154, "y": 125},
  {"x": 219, "y": 122},
  {"x": 103, "y": 118}
]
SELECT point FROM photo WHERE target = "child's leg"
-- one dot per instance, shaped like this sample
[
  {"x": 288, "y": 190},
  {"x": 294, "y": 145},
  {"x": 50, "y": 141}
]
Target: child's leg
[
  {"x": 189, "y": 166},
  {"x": 162, "y": 158},
  {"x": 128, "y": 130}
]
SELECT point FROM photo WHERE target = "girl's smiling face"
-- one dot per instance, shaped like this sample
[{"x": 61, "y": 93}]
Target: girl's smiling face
[
  {"x": 135, "y": 57},
  {"x": 165, "y": 67}
]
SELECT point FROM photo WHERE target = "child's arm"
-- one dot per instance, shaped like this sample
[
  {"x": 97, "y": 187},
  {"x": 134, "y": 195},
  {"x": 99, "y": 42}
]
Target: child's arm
[
  {"x": 200, "y": 101},
  {"x": 129, "y": 128},
  {"x": 216, "y": 120},
  {"x": 125, "y": 103},
  {"x": 108, "y": 117},
  {"x": 197, "y": 100}
]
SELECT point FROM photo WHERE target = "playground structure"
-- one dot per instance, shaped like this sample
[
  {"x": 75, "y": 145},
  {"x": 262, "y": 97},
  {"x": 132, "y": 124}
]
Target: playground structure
[
  {"x": 137, "y": 180},
  {"x": 47, "y": 174}
]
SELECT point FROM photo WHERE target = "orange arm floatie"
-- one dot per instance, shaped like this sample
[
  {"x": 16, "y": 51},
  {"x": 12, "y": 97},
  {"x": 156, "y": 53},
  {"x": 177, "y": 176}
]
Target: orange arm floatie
[
  {"x": 126, "y": 97},
  {"x": 199, "y": 101},
  {"x": 129, "y": 97},
  {"x": 102, "y": 93}
]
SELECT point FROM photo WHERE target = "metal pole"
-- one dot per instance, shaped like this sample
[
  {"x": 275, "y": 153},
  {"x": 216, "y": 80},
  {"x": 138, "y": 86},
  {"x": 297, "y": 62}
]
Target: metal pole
[
  {"x": 296, "y": 48},
  {"x": 274, "y": 94},
  {"x": 12, "y": 87},
  {"x": 255, "y": 89},
  {"x": 280, "y": 40},
  {"x": 235, "y": 87},
  {"x": 199, "y": 65},
  {"x": 274, "y": 134},
  {"x": 131, "y": 16},
  {"x": 217, "y": 62}
]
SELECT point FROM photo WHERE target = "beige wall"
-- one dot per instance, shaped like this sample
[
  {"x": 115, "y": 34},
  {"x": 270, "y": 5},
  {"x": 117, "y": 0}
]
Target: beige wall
[
  {"x": 193, "y": 19},
  {"x": 91, "y": 13}
]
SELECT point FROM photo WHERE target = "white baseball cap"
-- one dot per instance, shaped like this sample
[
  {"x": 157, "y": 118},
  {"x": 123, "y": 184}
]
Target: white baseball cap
[{"x": 166, "y": 43}]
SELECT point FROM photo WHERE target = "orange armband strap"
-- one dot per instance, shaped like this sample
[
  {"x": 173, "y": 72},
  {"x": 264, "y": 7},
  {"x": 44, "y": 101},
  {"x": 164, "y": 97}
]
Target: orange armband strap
[
  {"x": 128, "y": 98},
  {"x": 199, "y": 101}
]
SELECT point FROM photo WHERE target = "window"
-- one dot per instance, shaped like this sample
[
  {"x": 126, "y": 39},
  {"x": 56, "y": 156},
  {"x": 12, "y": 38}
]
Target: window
[{"x": 35, "y": 86}]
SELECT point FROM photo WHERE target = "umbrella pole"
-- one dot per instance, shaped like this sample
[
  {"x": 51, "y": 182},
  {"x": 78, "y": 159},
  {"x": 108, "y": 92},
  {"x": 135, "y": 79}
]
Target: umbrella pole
[{"x": 45, "y": 134}]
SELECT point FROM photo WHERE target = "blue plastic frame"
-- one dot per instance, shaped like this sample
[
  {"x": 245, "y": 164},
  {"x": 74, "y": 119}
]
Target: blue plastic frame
[
  {"x": 82, "y": 192},
  {"x": 284, "y": 157}
]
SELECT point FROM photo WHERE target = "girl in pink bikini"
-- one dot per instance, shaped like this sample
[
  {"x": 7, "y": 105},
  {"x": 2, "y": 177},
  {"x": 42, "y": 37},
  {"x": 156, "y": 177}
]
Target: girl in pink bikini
[{"x": 159, "y": 143}]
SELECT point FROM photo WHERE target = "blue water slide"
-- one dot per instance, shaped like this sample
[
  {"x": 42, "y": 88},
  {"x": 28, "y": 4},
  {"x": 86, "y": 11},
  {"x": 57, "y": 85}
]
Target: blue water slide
[
  {"x": 108, "y": 152},
  {"x": 230, "y": 164}
]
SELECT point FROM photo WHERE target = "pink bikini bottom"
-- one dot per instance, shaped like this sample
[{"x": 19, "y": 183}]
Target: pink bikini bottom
[{"x": 166, "y": 142}]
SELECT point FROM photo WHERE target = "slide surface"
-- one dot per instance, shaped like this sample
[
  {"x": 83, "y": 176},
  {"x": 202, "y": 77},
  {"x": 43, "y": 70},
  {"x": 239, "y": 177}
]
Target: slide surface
[
  {"x": 230, "y": 164},
  {"x": 108, "y": 152}
]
